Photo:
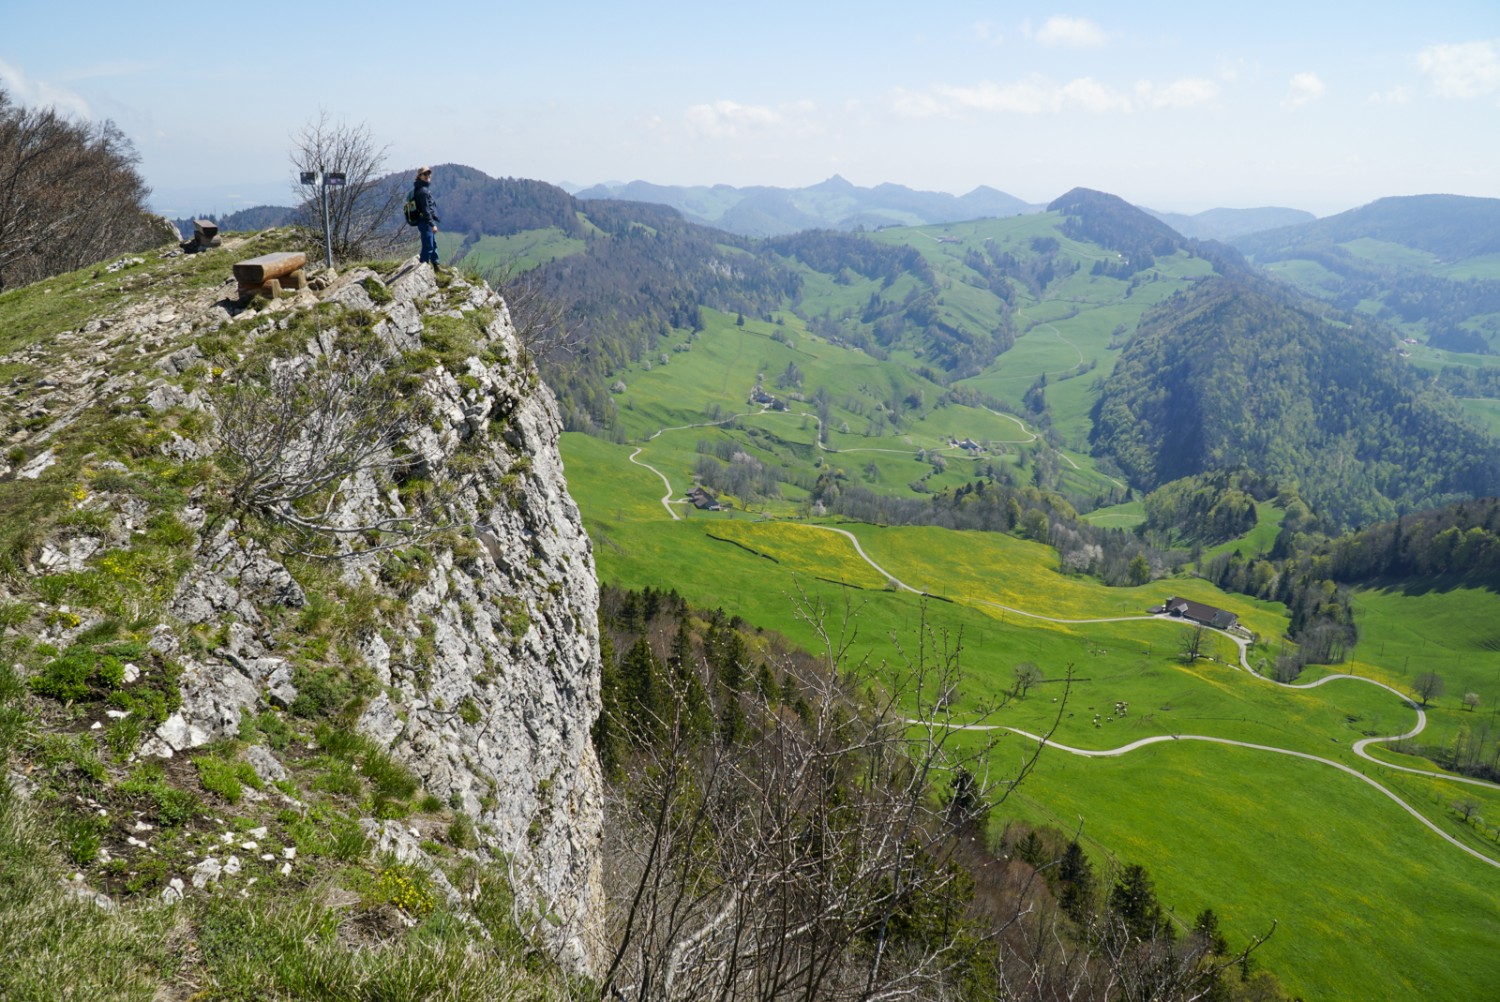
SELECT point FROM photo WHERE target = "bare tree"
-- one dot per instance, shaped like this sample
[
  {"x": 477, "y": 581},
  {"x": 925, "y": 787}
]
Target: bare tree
[
  {"x": 1466, "y": 808},
  {"x": 795, "y": 862},
  {"x": 298, "y": 434},
  {"x": 1027, "y": 675},
  {"x": 1043, "y": 954},
  {"x": 69, "y": 194},
  {"x": 541, "y": 317},
  {"x": 363, "y": 212},
  {"x": 1192, "y": 644}
]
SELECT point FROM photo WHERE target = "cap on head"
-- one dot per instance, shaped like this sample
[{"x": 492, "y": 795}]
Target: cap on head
[{"x": 423, "y": 171}]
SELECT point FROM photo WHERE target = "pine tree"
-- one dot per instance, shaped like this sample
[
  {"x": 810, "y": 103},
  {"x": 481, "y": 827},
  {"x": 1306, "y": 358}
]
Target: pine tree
[
  {"x": 1077, "y": 877},
  {"x": 1133, "y": 899}
]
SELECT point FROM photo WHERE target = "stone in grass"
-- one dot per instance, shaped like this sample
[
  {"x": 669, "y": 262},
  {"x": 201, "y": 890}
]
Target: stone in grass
[
  {"x": 207, "y": 871},
  {"x": 279, "y": 687},
  {"x": 265, "y": 764}
]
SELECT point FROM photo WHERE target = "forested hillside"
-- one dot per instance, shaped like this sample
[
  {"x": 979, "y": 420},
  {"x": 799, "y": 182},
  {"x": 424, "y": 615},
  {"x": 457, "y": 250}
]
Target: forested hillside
[
  {"x": 1232, "y": 374},
  {"x": 1451, "y": 227}
]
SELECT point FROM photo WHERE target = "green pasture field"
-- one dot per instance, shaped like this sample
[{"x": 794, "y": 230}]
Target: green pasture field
[
  {"x": 710, "y": 383},
  {"x": 1393, "y": 255},
  {"x": 1310, "y": 276},
  {"x": 1485, "y": 411},
  {"x": 526, "y": 250},
  {"x": 1368, "y": 903},
  {"x": 1258, "y": 540},
  {"x": 1454, "y": 632},
  {"x": 1486, "y": 266},
  {"x": 1305, "y": 843},
  {"x": 1119, "y": 516}
]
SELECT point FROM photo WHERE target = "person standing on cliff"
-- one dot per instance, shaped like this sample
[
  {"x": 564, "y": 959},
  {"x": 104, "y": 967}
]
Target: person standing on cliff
[{"x": 427, "y": 216}]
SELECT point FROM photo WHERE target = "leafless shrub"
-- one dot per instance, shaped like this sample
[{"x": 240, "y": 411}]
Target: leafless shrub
[
  {"x": 539, "y": 314},
  {"x": 297, "y": 435},
  {"x": 796, "y": 861}
]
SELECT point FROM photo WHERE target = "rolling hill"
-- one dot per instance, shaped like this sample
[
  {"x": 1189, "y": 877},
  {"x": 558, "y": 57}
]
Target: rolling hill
[
  {"x": 761, "y": 211},
  {"x": 1427, "y": 265}
]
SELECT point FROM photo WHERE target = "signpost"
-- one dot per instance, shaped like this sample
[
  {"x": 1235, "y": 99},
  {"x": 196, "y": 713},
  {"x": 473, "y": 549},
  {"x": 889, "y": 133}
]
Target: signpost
[{"x": 325, "y": 180}]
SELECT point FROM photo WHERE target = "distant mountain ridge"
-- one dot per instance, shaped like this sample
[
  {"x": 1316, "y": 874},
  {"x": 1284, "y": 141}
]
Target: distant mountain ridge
[
  {"x": 764, "y": 211},
  {"x": 1451, "y": 227},
  {"x": 1429, "y": 265},
  {"x": 1227, "y": 224}
]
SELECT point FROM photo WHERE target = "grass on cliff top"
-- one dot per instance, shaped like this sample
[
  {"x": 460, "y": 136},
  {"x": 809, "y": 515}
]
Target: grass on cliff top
[{"x": 66, "y": 302}]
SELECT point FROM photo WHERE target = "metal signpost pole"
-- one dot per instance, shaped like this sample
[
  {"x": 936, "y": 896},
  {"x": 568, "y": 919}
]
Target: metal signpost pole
[{"x": 327, "y": 231}]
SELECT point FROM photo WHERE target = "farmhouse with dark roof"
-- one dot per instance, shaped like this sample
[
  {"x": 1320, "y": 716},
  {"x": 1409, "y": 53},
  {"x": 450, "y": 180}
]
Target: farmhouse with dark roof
[
  {"x": 1186, "y": 608},
  {"x": 704, "y": 499}
]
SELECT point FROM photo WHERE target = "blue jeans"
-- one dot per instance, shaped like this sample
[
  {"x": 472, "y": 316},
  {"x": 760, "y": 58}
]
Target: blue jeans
[{"x": 429, "y": 253}]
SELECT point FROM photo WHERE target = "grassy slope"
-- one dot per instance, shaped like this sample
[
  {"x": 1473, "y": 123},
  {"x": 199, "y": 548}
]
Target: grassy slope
[{"x": 713, "y": 379}]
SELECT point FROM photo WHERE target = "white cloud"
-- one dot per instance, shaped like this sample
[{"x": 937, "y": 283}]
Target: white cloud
[
  {"x": 730, "y": 120},
  {"x": 910, "y": 104},
  {"x": 1071, "y": 33},
  {"x": 1397, "y": 97},
  {"x": 1036, "y": 95},
  {"x": 987, "y": 31},
  {"x": 1091, "y": 95},
  {"x": 113, "y": 68},
  {"x": 1189, "y": 92},
  {"x": 1039, "y": 95},
  {"x": 38, "y": 94},
  {"x": 1467, "y": 70},
  {"x": 1303, "y": 89}
]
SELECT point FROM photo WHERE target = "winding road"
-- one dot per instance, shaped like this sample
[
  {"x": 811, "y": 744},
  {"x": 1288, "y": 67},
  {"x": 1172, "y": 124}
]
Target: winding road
[{"x": 1242, "y": 643}]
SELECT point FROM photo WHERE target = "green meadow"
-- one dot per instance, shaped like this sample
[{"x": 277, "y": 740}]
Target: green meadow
[{"x": 1347, "y": 874}]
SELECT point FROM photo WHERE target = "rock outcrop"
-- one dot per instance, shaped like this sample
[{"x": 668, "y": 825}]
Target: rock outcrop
[{"x": 484, "y": 655}]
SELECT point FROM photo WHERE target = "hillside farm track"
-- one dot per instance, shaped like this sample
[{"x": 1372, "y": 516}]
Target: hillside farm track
[{"x": 1242, "y": 643}]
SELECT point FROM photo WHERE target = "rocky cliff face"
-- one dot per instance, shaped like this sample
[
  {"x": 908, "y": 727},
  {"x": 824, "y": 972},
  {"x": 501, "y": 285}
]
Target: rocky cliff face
[{"x": 470, "y": 652}]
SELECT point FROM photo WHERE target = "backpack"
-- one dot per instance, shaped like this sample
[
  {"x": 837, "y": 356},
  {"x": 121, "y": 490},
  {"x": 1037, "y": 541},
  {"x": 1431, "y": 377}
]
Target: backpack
[{"x": 412, "y": 216}]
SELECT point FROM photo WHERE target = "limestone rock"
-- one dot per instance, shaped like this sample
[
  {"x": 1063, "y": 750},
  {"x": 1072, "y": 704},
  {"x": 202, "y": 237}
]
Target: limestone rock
[
  {"x": 265, "y": 764},
  {"x": 214, "y": 696},
  {"x": 380, "y": 723},
  {"x": 486, "y": 663}
]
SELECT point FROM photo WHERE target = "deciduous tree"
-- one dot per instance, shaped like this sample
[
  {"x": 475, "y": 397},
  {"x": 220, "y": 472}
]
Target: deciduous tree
[
  {"x": 69, "y": 194},
  {"x": 1428, "y": 686}
]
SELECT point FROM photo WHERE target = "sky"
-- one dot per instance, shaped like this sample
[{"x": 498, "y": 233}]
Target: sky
[{"x": 1313, "y": 105}]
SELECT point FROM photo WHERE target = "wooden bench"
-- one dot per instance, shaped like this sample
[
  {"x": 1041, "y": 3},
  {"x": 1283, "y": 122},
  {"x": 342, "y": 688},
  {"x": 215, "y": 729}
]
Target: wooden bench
[{"x": 271, "y": 273}]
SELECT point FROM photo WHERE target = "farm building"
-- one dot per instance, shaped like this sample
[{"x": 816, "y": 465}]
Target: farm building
[
  {"x": 1184, "y": 608},
  {"x": 704, "y": 499}
]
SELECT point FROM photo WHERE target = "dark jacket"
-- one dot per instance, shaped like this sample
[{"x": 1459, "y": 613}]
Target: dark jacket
[{"x": 427, "y": 210}]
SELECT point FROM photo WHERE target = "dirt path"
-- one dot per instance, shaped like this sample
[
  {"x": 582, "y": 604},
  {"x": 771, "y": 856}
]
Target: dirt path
[
  {"x": 1243, "y": 644},
  {"x": 1161, "y": 738}
]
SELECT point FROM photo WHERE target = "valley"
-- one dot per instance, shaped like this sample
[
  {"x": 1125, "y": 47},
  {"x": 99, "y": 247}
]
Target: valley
[{"x": 1267, "y": 801}]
